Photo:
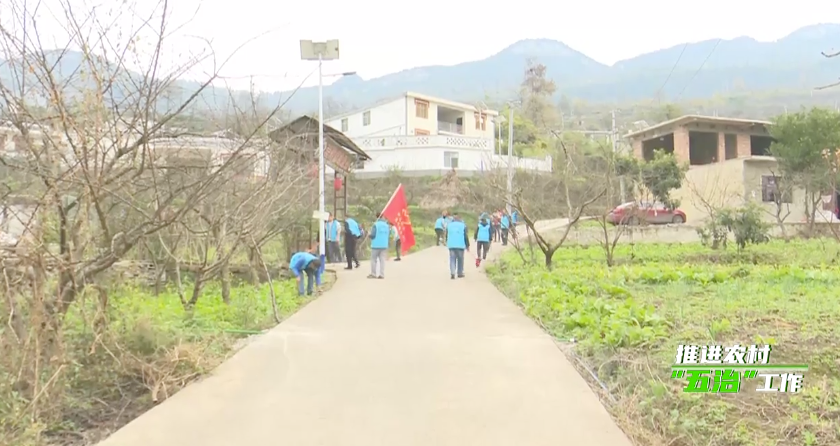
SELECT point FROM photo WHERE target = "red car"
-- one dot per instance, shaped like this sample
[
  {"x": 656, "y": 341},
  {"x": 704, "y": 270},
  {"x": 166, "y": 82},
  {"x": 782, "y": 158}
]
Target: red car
[{"x": 634, "y": 213}]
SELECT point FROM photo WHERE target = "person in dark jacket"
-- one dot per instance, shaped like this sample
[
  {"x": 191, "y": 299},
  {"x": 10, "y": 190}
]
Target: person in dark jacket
[
  {"x": 352, "y": 233},
  {"x": 482, "y": 241},
  {"x": 458, "y": 241}
]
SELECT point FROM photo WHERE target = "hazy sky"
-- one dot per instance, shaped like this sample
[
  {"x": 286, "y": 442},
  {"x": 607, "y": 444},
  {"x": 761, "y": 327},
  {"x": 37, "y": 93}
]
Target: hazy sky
[{"x": 380, "y": 37}]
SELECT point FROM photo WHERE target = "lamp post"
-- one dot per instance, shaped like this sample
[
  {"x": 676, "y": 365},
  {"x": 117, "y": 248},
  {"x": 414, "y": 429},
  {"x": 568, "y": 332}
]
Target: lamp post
[{"x": 320, "y": 51}]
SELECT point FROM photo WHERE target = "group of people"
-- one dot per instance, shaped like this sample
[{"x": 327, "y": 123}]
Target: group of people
[
  {"x": 449, "y": 229},
  {"x": 453, "y": 231},
  {"x": 306, "y": 264}
]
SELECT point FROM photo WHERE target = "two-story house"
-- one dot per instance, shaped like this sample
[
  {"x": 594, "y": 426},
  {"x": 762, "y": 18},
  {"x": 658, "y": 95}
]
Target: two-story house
[
  {"x": 729, "y": 164},
  {"x": 423, "y": 135}
]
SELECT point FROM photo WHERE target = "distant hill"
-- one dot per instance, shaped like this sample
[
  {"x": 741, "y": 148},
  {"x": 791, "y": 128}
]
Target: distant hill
[{"x": 734, "y": 66}]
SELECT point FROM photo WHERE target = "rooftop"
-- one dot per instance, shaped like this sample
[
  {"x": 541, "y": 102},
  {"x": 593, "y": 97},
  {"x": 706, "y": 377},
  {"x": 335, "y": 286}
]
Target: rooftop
[{"x": 682, "y": 120}]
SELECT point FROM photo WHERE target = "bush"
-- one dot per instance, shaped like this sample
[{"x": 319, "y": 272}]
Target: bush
[{"x": 745, "y": 224}]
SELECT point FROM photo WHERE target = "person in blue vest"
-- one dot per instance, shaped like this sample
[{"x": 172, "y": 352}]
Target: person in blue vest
[
  {"x": 458, "y": 241},
  {"x": 304, "y": 262},
  {"x": 380, "y": 235},
  {"x": 505, "y": 225},
  {"x": 440, "y": 227},
  {"x": 482, "y": 240},
  {"x": 333, "y": 230},
  {"x": 397, "y": 242},
  {"x": 352, "y": 233}
]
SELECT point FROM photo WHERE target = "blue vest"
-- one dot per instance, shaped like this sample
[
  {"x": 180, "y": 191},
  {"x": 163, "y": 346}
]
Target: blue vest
[
  {"x": 354, "y": 227},
  {"x": 455, "y": 234},
  {"x": 505, "y": 221},
  {"x": 383, "y": 232},
  {"x": 300, "y": 261},
  {"x": 439, "y": 223},
  {"x": 483, "y": 233},
  {"x": 332, "y": 231}
]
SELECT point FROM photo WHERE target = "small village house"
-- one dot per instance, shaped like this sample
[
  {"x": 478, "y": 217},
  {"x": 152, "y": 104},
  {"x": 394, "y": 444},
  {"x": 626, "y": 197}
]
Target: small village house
[
  {"x": 341, "y": 157},
  {"x": 729, "y": 164},
  {"x": 423, "y": 135}
]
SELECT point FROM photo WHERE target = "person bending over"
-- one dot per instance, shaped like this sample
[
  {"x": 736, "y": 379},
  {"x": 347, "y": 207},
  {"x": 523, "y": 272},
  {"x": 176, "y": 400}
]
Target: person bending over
[{"x": 305, "y": 262}]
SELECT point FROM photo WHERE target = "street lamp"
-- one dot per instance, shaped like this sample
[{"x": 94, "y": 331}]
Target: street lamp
[
  {"x": 510, "y": 154},
  {"x": 320, "y": 51}
]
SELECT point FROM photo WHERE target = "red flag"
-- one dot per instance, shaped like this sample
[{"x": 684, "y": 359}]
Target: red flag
[{"x": 396, "y": 212}]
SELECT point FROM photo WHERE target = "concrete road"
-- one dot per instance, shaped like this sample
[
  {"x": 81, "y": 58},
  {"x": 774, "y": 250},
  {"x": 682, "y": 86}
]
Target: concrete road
[{"x": 414, "y": 359}]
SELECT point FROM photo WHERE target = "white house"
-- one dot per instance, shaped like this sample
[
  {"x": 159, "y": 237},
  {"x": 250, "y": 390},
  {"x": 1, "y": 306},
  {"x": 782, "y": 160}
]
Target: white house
[{"x": 421, "y": 135}]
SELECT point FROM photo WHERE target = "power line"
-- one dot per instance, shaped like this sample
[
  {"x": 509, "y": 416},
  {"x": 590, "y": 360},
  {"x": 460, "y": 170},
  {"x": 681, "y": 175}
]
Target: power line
[
  {"x": 672, "y": 69},
  {"x": 700, "y": 68}
]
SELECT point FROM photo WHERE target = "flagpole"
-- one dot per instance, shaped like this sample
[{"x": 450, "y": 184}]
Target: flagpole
[{"x": 390, "y": 200}]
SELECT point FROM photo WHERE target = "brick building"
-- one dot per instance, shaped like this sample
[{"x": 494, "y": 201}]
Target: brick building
[
  {"x": 729, "y": 164},
  {"x": 700, "y": 140}
]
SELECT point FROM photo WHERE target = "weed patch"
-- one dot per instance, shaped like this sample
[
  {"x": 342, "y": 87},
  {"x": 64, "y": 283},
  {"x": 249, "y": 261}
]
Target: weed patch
[
  {"x": 108, "y": 365},
  {"x": 628, "y": 320}
]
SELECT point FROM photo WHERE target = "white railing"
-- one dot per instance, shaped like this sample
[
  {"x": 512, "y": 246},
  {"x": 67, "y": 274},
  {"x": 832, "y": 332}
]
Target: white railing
[
  {"x": 424, "y": 141},
  {"x": 540, "y": 165},
  {"x": 450, "y": 127}
]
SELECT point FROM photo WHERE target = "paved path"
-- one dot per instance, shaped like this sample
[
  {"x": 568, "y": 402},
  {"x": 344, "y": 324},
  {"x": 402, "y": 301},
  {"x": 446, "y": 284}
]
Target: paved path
[{"x": 415, "y": 359}]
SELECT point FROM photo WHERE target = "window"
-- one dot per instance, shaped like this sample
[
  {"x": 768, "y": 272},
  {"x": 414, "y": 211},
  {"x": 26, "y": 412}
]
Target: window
[
  {"x": 480, "y": 121},
  {"x": 421, "y": 132},
  {"x": 772, "y": 192},
  {"x": 366, "y": 118},
  {"x": 421, "y": 108},
  {"x": 450, "y": 160},
  {"x": 344, "y": 125}
]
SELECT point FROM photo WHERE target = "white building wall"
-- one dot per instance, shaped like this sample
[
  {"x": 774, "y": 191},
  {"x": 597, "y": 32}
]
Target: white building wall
[
  {"x": 427, "y": 153},
  {"x": 387, "y": 119}
]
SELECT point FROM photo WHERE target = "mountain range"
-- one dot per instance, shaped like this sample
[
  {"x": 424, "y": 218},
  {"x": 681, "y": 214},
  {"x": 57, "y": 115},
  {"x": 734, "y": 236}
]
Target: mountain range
[{"x": 692, "y": 70}]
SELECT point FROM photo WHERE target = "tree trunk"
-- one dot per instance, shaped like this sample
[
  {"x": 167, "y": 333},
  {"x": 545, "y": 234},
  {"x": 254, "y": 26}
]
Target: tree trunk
[{"x": 225, "y": 273}]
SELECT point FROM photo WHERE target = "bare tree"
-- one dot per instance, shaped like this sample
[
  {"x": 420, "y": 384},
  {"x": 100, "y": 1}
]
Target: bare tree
[
  {"x": 569, "y": 191},
  {"x": 82, "y": 131}
]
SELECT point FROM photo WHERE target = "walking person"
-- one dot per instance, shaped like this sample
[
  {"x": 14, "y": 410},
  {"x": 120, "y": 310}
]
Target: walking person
[
  {"x": 333, "y": 230},
  {"x": 505, "y": 225},
  {"x": 397, "y": 243},
  {"x": 352, "y": 233},
  {"x": 458, "y": 241},
  {"x": 380, "y": 234},
  {"x": 440, "y": 225},
  {"x": 304, "y": 262},
  {"x": 482, "y": 241}
]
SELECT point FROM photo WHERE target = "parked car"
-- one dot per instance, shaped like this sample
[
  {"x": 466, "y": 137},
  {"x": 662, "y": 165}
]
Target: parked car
[{"x": 634, "y": 213}]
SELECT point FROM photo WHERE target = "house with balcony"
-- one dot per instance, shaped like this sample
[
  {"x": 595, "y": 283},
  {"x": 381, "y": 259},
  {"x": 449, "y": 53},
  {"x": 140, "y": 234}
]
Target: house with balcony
[
  {"x": 419, "y": 135},
  {"x": 729, "y": 164}
]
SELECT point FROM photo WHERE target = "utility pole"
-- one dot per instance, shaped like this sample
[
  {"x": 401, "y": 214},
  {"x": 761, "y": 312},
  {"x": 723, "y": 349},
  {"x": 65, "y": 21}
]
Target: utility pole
[
  {"x": 510, "y": 158},
  {"x": 614, "y": 137}
]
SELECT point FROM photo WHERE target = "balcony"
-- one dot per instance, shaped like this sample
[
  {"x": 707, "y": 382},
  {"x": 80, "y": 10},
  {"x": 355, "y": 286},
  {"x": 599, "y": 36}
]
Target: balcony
[
  {"x": 450, "y": 127},
  {"x": 485, "y": 144}
]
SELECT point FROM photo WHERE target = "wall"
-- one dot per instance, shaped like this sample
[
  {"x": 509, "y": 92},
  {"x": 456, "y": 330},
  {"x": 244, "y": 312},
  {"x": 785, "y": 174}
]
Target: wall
[
  {"x": 730, "y": 184},
  {"x": 718, "y": 185},
  {"x": 388, "y": 118},
  {"x": 420, "y": 158},
  {"x": 430, "y": 124},
  {"x": 15, "y": 219},
  {"x": 754, "y": 169},
  {"x": 423, "y": 153}
]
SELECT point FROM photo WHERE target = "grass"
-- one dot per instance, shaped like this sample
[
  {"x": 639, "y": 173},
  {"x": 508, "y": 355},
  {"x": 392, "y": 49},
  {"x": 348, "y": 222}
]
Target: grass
[
  {"x": 628, "y": 320},
  {"x": 115, "y": 363}
]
